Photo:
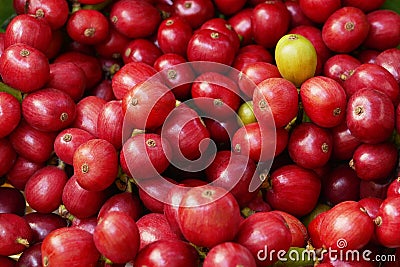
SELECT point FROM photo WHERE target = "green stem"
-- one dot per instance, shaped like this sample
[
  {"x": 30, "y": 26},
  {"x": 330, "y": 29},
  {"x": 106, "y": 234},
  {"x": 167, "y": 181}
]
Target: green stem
[{"x": 5, "y": 88}]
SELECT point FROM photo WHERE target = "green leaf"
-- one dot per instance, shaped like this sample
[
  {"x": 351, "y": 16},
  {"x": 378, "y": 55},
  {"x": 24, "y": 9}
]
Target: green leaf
[
  {"x": 392, "y": 5},
  {"x": 6, "y": 11}
]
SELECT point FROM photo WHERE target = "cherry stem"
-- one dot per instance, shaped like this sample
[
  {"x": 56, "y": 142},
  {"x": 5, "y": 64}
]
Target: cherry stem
[
  {"x": 23, "y": 241},
  {"x": 246, "y": 212},
  {"x": 7, "y": 89},
  {"x": 201, "y": 251}
]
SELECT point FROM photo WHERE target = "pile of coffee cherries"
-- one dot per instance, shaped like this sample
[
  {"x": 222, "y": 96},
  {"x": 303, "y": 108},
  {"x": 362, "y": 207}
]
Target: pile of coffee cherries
[{"x": 200, "y": 133}]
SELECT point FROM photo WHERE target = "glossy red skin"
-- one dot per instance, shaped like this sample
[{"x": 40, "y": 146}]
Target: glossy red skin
[
  {"x": 286, "y": 186},
  {"x": 211, "y": 86},
  {"x": 147, "y": 109},
  {"x": 282, "y": 101},
  {"x": 87, "y": 113},
  {"x": 10, "y": 114},
  {"x": 241, "y": 24},
  {"x": 21, "y": 171},
  {"x": 357, "y": 229},
  {"x": 298, "y": 17},
  {"x": 110, "y": 122},
  {"x": 374, "y": 188},
  {"x": 87, "y": 224},
  {"x": 103, "y": 90},
  {"x": 371, "y": 206},
  {"x": 113, "y": 45},
  {"x": 177, "y": 78},
  {"x": 324, "y": 101},
  {"x": 258, "y": 204},
  {"x": 32, "y": 256},
  {"x": 24, "y": 73},
  {"x": 2, "y": 42},
  {"x": 125, "y": 202},
  {"x": 232, "y": 254},
  {"x": 7, "y": 261},
  {"x": 44, "y": 189},
  {"x": 56, "y": 44},
  {"x": 49, "y": 110},
  {"x": 130, "y": 75},
  {"x": 366, "y": 6},
  {"x": 122, "y": 249},
  {"x": 234, "y": 173},
  {"x": 340, "y": 67},
  {"x": 221, "y": 132},
  {"x": 249, "y": 140},
  {"x": 262, "y": 138},
  {"x": 229, "y": 7},
  {"x": 152, "y": 193},
  {"x": 256, "y": 73},
  {"x": 167, "y": 253},
  {"x": 209, "y": 215},
  {"x": 374, "y": 77},
  {"x": 89, "y": 64},
  {"x": 89, "y": 27},
  {"x": 173, "y": 35},
  {"x": 389, "y": 212},
  {"x": 370, "y": 116},
  {"x": 13, "y": 228},
  {"x": 389, "y": 59},
  {"x": 153, "y": 227},
  {"x": 32, "y": 144},
  {"x": 264, "y": 229},
  {"x": 340, "y": 185},
  {"x": 318, "y": 11},
  {"x": 67, "y": 141},
  {"x": 368, "y": 55},
  {"x": 173, "y": 199},
  {"x": 7, "y": 157},
  {"x": 144, "y": 16},
  {"x": 43, "y": 224},
  {"x": 28, "y": 30},
  {"x": 69, "y": 246},
  {"x": 384, "y": 30},
  {"x": 19, "y": 6},
  {"x": 394, "y": 188},
  {"x": 374, "y": 162},
  {"x": 55, "y": 12},
  {"x": 195, "y": 12},
  {"x": 185, "y": 130},
  {"x": 297, "y": 229},
  {"x": 12, "y": 201},
  {"x": 345, "y": 30},
  {"x": 141, "y": 50},
  {"x": 210, "y": 45},
  {"x": 270, "y": 21},
  {"x": 314, "y": 229},
  {"x": 67, "y": 77},
  {"x": 146, "y": 155},
  {"x": 101, "y": 158},
  {"x": 310, "y": 146},
  {"x": 222, "y": 26},
  {"x": 251, "y": 53},
  {"x": 82, "y": 203},
  {"x": 314, "y": 35}
]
